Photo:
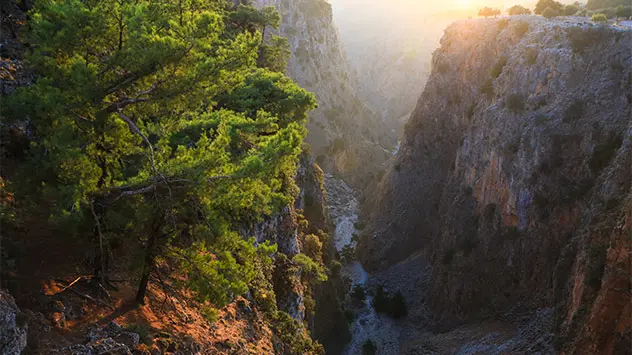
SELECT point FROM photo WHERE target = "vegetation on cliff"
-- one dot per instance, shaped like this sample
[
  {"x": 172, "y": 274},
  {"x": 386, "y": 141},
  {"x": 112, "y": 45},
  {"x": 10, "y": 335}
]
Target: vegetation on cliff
[{"x": 164, "y": 127}]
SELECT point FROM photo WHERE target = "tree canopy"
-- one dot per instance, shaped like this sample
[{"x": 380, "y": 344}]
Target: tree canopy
[
  {"x": 541, "y": 5},
  {"x": 518, "y": 10},
  {"x": 166, "y": 121},
  {"x": 487, "y": 11}
]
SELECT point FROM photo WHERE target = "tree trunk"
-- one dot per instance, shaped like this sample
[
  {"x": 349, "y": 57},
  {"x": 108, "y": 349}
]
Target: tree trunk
[{"x": 147, "y": 267}]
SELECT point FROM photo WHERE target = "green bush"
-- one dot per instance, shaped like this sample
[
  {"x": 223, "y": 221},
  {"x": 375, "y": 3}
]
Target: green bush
[
  {"x": 294, "y": 335},
  {"x": 541, "y": 119},
  {"x": 604, "y": 152},
  {"x": 368, "y": 348},
  {"x": 570, "y": 10},
  {"x": 359, "y": 225},
  {"x": 521, "y": 28},
  {"x": 358, "y": 293},
  {"x": 596, "y": 266},
  {"x": 623, "y": 11},
  {"x": 550, "y": 13},
  {"x": 394, "y": 307},
  {"x": 518, "y": 10},
  {"x": 582, "y": 39},
  {"x": 498, "y": 67},
  {"x": 573, "y": 111},
  {"x": 209, "y": 313},
  {"x": 470, "y": 110},
  {"x": 142, "y": 331},
  {"x": 531, "y": 55},
  {"x": 515, "y": 102},
  {"x": 488, "y": 88},
  {"x": 599, "y": 18}
]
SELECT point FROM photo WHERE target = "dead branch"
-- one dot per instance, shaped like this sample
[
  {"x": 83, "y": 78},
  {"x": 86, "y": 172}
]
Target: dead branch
[
  {"x": 88, "y": 297},
  {"x": 91, "y": 298},
  {"x": 71, "y": 284},
  {"x": 98, "y": 225}
]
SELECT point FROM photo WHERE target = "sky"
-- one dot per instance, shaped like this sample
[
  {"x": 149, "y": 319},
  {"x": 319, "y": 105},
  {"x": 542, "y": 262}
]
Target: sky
[{"x": 431, "y": 6}]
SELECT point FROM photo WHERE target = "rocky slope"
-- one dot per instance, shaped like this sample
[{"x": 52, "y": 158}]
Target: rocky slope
[
  {"x": 514, "y": 181},
  {"x": 319, "y": 64}
]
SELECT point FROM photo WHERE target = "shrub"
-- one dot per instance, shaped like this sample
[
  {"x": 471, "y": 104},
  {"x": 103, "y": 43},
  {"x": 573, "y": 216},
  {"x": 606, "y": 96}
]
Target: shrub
[
  {"x": 488, "y": 88},
  {"x": 573, "y": 111},
  {"x": 398, "y": 306},
  {"x": 335, "y": 267},
  {"x": 467, "y": 245},
  {"x": 349, "y": 315},
  {"x": 541, "y": 119},
  {"x": 348, "y": 253},
  {"x": 599, "y": 18},
  {"x": 604, "y": 152},
  {"x": 368, "y": 348},
  {"x": 394, "y": 307},
  {"x": 596, "y": 266},
  {"x": 498, "y": 67},
  {"x": 550, "y": 13},
  {"x": 358, "y": 293},
  {"x": 142, "y": 331},
  {"x": 443, "y": 67},
  {"x": 518, "y": 10},
  {"x": 502, "y": 23},
  {"x": 209, "y": 313},
  {"x": 623, "y": 11},
  {"x": 359, "y": 225},
  {"x": 583, "y": 39},
  {"x": 521, "y": 28},
  {"x": 470, "y": 110},
  {"x": 487, "y": 11},
  {"x": 531, "y": 55},
  {"x": 310, "y": 269},
  {"x": 294, "y": 335},
  {"x": 515, "y": 102},
  {"x": 570, "y": 10}
]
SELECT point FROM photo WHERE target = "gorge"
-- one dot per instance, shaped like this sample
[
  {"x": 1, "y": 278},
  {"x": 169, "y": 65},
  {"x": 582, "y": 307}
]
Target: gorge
[{"x": 468, "y": 191}]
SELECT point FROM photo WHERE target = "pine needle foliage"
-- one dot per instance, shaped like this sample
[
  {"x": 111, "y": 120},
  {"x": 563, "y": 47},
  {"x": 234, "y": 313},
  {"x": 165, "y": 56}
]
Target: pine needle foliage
[{"x": 160, "y": 121}]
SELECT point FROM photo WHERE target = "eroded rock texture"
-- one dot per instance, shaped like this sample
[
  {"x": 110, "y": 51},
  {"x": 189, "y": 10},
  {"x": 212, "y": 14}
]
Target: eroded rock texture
[{"x": 514, "y": 179}]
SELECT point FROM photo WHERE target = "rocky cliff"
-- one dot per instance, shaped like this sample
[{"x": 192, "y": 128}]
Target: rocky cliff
[
  {"x": 514, "y": 180},
  {"x": 319, "y": 65}
]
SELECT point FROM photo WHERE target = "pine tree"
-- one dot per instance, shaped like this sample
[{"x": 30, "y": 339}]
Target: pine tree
[{"x": 151, "y": 119}]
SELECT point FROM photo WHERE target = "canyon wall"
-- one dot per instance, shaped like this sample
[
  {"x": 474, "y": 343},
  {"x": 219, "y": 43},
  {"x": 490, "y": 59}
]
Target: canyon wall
[
  {"x": 319, "y": 64},
  {"x": 514, "y": 180}
]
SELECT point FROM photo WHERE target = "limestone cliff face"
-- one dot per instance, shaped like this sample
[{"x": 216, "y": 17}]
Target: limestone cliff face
[
  {"x": 326, "y": 320},
  {"x": 514, "y": 179},
  {"x": 319, "y": 64}
]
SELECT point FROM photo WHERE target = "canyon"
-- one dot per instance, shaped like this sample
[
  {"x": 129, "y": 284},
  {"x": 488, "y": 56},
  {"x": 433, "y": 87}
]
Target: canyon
[
  {"x": 512, "y": 184},
  {"x": 498, "y": 203}
]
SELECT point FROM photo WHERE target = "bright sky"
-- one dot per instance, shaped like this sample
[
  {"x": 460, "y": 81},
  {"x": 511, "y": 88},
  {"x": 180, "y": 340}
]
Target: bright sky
[{"x": 433, "y": 6}]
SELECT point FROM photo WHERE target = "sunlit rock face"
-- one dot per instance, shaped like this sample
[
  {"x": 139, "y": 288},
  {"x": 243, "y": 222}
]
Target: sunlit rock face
[
  {"x": 345, "y": 134},
  {"x": 514, "y": 179}
]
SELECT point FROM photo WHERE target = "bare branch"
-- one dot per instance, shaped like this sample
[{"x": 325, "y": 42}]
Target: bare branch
[
  {"x": 135, "y": 129},
  {"x": 98, "y": 225}
]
